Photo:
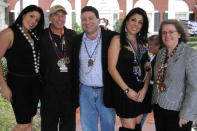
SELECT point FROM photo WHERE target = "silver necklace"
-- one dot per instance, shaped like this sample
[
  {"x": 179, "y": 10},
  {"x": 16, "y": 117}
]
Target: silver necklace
[{"x": 35, "y": 57}]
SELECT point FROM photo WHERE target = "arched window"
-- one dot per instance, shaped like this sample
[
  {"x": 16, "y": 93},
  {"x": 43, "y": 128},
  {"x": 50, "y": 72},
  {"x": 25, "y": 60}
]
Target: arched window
[
  {"x": 66, "y": 4},
  {"x": 25, "y": 4},
  {"x": 108, "y": 9},
  {"x": 150, "y": 10},
  {"x": 181, "y": 10}
]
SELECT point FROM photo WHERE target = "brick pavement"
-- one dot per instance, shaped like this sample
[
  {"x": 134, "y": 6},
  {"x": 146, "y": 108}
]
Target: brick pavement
[{"x": 149, "y": 124}]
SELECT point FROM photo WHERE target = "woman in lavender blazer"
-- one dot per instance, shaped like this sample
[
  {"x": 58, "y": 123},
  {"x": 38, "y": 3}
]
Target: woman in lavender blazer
[{"x": 175, "y": 75}]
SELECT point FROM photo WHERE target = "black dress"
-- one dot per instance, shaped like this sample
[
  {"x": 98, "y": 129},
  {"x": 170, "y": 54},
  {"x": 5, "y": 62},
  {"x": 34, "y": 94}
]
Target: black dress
[
  {"x": 21, "y": 78},
  {"x": 124, "y": 106}
]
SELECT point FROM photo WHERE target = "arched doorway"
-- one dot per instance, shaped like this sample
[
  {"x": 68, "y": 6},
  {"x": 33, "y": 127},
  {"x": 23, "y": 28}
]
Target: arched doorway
[
  {"x": 25, "y": 4},
  {"x": 108, "y": 9},
  {"x": 66, "y": 4},
  {"x": 181, "y": 10},
  {"x": 150, "y": 10}
]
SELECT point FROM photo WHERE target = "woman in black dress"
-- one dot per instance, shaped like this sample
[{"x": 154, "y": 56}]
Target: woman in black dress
[
  {"x": 129, "y": 66},
  {"x": 19, "y": 45}
]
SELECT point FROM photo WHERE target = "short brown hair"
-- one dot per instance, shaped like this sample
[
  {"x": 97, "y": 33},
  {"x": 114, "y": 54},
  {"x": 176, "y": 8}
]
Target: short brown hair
[
  {"x": 91, "y": 9},
  {"x": 179, "y": 27}
]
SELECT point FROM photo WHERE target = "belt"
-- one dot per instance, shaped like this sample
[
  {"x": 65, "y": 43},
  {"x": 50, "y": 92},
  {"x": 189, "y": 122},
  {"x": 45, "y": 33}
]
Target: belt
[
  {"x": 96, "y": 87},
  {"x": 23, "y": 75}
]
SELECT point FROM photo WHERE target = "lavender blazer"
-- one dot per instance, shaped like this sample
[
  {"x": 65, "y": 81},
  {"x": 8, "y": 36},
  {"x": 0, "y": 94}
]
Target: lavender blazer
[{"x": 181, "y": 82}]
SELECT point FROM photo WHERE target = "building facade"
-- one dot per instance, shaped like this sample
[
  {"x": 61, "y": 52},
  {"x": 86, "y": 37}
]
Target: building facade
[
  {"x": 3, "y": 16},
  {"x": 113, "y": 10}
]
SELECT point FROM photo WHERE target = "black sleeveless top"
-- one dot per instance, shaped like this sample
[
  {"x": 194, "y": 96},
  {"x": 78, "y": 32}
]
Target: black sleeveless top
[
  {"x": 124, "y": 106},
  {"x": 20, "y": 56},
  {"x": 125, "y": 68}
]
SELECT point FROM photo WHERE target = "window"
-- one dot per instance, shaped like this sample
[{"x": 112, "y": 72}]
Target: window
[{"x": 181, "y": 16}]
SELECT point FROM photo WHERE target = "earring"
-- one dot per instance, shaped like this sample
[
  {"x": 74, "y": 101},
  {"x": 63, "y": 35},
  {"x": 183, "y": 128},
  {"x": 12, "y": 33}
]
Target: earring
[{"x": 125, "y": 29}]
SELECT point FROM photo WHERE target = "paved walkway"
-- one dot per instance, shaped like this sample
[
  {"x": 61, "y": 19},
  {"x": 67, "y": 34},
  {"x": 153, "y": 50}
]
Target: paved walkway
[{"x": 149, "y": 124}]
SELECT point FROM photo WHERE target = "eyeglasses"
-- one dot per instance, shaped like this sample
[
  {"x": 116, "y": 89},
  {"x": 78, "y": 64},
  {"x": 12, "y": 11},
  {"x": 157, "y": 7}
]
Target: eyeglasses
[{"x": 169, "y": 32}]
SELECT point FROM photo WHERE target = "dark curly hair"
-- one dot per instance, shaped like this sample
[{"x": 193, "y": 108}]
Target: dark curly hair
[
  {"x": 28, "y": 9},
  {"x": 142, "y": 35},
  {"x": 91, "y": 9}
]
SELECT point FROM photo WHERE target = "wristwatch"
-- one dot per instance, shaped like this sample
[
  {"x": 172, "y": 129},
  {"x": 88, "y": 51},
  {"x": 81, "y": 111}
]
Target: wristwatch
[{"x": 126, "y": 91}]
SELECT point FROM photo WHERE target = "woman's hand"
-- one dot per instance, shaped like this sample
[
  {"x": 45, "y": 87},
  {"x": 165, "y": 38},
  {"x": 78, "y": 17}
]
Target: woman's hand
[
  {"x": 133, "y": 95},
  {"x": 182, "y": 122},
  {"x": 141, "y": 94},
  {"x": 6, "y": 93}
]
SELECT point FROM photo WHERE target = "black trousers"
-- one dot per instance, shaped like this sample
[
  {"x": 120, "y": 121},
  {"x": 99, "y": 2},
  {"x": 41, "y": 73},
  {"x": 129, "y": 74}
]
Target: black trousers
[
  {"x": 168, "y": 120},
  {"x": 57, "y": 110}
]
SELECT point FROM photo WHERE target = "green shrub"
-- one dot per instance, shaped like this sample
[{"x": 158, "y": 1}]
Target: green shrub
[
  {"x": 78, "y": 29},
  {"x": 193, "y": 39},
  {"x": 7, "y": 118},
  {"x": 3, "y": 63},
  {"x": 118, "y": 25}
]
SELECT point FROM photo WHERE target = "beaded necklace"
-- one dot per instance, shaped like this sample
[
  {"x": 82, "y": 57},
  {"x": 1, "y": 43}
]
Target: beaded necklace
[
  {"x": 36, "y": 58},
  {"x": 161, "y": 75},
  {"x": 137, "y": 58}
]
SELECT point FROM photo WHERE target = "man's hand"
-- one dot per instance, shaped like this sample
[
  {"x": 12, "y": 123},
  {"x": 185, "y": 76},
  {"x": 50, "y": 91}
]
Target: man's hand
[{"x": 182, "y": 122}]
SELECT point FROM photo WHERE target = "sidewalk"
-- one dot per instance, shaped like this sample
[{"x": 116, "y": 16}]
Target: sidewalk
[{"x": 149, "y": 124}]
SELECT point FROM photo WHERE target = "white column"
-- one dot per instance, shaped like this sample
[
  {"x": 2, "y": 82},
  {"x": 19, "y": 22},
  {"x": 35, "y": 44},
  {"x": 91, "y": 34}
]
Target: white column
[
  {"x": 171, "y": 9},
  {"x": 78, "y": 11},
  {"x": 3, "y": 5},
  {"x": 129, "y": 6},
  {"x": 21, "y": 5}
]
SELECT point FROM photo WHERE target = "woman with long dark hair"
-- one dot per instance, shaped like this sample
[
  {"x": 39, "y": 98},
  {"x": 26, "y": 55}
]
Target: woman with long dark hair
[
  {"x": 129, "y": 66},
  {"x": 19, "y": 45}
]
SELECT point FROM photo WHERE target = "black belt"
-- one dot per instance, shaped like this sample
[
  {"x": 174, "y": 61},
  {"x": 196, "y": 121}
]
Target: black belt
[
  {"x": 96, "y": 87},
  {"x": 23, "y": 75}
]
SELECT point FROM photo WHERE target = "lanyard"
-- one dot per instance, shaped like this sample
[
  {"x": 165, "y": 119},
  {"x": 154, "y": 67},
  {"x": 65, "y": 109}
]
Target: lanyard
[
  {"x": 60, "y": 54},
  {"x": 136, "y": 52},
  {"x": 90, "y": 55}
]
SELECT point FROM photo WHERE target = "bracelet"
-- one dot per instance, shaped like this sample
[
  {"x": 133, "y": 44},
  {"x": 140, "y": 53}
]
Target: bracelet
[{"x": 126, "y": 91}]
